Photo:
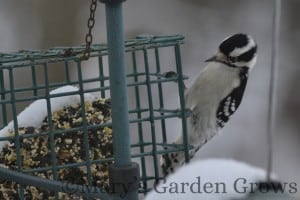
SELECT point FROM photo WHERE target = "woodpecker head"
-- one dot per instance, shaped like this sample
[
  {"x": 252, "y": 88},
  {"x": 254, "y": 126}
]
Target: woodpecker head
[{"x": 238, "y": 50}]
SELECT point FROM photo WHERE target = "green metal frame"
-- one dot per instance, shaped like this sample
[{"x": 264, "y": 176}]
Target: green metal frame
[{"x": 145, "y": 75}]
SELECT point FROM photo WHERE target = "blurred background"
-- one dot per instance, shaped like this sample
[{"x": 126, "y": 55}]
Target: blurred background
[{"x": 39, "y": 24}]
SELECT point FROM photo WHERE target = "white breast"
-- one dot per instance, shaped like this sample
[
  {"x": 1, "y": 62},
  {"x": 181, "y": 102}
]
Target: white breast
[{"x": 213, "y": 84}]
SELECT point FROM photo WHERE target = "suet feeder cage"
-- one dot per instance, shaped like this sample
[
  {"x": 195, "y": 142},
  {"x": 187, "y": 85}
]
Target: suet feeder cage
[{"x": 81, "y": 146}]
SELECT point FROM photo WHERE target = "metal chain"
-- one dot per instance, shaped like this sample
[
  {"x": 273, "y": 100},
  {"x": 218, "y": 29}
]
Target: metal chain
[{"x": 89, "y": 37}]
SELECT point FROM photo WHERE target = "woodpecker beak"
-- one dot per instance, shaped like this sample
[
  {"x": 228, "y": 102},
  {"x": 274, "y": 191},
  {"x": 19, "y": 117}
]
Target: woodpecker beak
[{"x": 214, "y": 58}]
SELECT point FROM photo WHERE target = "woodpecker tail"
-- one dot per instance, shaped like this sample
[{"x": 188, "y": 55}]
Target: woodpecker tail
[{"x": 171, "y": 161}]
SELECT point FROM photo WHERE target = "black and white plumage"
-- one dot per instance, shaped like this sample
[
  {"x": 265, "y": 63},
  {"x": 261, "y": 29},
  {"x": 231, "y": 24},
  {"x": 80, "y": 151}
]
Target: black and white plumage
[
  {"x": 215, "y": 95},
  {"x": 230, "y": 103}
]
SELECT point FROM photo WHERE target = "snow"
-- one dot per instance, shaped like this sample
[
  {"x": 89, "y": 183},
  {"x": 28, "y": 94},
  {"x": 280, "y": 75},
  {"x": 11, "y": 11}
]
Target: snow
[
  {"x": 36, "y": 112},
  {"x": 211, "y": 179}
]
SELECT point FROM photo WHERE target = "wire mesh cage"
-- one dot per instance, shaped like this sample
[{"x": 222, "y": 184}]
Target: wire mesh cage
[{"x": 65, "y": 134}]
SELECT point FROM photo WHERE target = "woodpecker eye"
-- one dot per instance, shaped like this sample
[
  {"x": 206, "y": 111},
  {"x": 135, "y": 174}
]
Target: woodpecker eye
[{"x": 232, "y": 59}]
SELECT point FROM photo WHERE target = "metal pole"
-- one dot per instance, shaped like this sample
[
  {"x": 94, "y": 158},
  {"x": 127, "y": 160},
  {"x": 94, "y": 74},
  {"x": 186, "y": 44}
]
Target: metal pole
[
  {"x": 118, "y": 88},
  {"x": 272, "y": 86},
  {"x": 124, "y": 175}
]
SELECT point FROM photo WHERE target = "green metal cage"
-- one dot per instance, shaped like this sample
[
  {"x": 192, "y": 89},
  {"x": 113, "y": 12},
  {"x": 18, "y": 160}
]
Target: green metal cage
[{"x": 145, "y": 77}]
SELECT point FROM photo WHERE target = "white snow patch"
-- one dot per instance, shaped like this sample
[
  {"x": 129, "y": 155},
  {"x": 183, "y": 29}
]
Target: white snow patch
[{"x": 222, "y": 178}]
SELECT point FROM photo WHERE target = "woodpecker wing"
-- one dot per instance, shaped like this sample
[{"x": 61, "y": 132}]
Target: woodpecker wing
[{"x": 232, "y": 101}]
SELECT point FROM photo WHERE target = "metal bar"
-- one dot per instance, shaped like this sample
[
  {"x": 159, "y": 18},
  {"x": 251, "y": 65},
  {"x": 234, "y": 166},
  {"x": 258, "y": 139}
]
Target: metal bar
[
  {"x": 55, "y": 85},
  {"x": 101, "y": 75},
  {"x": 182, "y": 102},
  {"x": 67, "y": 72},
  {"x": 272, "y": 84},
  {"x": 16, "y": 130},
  {"x": 34, "y": 82},
  {"x": 56, "y": 56},
  {"x": 167, "y": 115},
  {"x": 57, "y": 186},
  {"x": 160, "y": 94},
  {"x": 84, "y": 126},
  {"x": 2, "y": 92},
  {"x": 151, "y": 115},
  {"x": 139, "y": 116},
  {"x": 50, "y": 131},
  {"x": 73, "y": 83},
  {"x": 119, "y": 99}
]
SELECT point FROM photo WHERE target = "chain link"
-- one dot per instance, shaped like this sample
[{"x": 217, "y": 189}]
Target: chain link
[{"x": 89, "y": 37}]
